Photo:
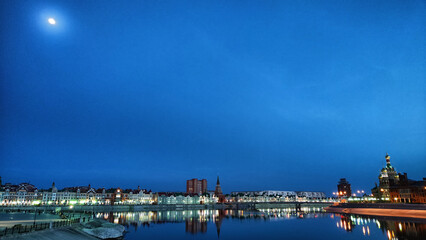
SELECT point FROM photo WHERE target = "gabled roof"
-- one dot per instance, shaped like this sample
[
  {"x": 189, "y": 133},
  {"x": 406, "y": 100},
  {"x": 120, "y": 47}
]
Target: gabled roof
[
  {"x": 23, "y": 186},
  {"x": 83, "y": 189}
]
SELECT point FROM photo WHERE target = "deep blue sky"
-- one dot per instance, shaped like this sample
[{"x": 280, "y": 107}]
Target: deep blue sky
[{"x": 285, "y": 95}]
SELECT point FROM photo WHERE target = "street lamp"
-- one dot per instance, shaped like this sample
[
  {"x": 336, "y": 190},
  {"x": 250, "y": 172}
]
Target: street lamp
[{"x": 35, "y": 215}]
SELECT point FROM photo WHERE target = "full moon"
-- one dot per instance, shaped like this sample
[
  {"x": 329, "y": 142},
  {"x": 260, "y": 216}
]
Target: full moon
[{"x": 51, "y": 21}]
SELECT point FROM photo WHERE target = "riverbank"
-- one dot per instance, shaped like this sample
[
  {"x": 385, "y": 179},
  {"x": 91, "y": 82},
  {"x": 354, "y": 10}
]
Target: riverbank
[
  {"x": 65, "y": 233},
  {"x": 95, "y": 229},
  {"x": 164, "y": 207},
  {"x": 13, "y": 218},
  {"x": 381, "y": 209}
]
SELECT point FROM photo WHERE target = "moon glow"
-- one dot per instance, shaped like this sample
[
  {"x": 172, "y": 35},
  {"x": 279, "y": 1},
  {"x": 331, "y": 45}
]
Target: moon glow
[{"x": 52, "y": 21}]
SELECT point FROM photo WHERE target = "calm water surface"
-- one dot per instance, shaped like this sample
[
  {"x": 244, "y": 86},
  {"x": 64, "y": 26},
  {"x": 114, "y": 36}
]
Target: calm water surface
[{"x": 263, "y": 224}]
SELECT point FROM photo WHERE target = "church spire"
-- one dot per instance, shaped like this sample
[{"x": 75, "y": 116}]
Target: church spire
[
  {"x": 388, "y": 164},
  {"x": 218, "y": 190}
]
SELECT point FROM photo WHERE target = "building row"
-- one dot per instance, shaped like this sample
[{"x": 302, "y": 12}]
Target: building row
[
  {"x": 273, "y": 194},
  {"x": 184, "y": 198},
  {"x": 28, "y": 194}
]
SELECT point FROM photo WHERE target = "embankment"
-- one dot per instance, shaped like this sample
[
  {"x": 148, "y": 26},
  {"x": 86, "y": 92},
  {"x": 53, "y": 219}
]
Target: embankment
[
  {"x": 165, "y": 207},
  {"x": 381, "y": 209}
]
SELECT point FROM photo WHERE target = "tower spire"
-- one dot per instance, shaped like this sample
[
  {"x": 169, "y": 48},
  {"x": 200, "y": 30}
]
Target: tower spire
[
  {"x": 218, "y": 190},
  {"x": 387, "y": 158}
]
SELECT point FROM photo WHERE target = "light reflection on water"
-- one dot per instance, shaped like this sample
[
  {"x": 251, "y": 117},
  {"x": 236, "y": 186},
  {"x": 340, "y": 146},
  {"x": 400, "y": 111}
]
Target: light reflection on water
[
  {"x": 392, "y": 229},
  {"x": 199, "y": 221}
]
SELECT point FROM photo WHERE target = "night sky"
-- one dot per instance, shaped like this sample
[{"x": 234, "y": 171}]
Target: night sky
[{"x": 285, "y": 95}]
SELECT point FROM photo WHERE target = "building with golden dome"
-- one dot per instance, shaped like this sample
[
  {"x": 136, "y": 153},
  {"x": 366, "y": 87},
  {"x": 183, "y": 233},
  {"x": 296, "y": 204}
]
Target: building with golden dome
[
  {"x": 388, "y": 177},
  {"x": 396, "y": 187}
]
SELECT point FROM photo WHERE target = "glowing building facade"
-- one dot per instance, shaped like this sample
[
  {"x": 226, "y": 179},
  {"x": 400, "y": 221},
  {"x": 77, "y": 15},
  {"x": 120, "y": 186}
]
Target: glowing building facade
[{"x": 396, "y": 187}]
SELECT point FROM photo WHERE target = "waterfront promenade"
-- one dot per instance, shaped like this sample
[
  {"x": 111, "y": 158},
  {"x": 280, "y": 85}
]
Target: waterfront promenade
[
  {"x": 161, "y": 207},
  {"x": 65, "y": 233},
  {"x": 381, "y": 209}
]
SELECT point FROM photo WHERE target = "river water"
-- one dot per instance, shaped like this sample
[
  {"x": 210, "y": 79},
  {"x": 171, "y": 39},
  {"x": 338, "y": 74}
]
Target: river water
[{"x": 262, "y": 224}]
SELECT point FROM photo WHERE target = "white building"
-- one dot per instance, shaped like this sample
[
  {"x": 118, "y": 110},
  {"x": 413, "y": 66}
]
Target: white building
[{"x": 311, "y": 195}]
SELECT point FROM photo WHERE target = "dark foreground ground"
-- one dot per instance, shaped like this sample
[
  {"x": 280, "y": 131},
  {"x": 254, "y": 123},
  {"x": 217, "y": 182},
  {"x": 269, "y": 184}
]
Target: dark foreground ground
[{"x": 65, "y": 233}]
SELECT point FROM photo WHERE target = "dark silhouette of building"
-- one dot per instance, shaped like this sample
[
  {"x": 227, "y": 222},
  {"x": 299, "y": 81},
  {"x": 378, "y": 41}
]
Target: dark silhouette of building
[
  {"x": 396, "y": 187},
  {"x": 218, "y": 192},
  {"x": 218, "y": 189},
  {"x": 408, "y": 191},
  {"x": 344, "y": 188},
  {"x": 196, "y": 186}
]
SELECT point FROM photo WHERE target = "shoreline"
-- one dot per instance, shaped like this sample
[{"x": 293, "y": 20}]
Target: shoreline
[
  {"x": 165, "y": 207},
  {"x": 64, "y": 233},
  {"x": 94, "y": 229},
  {"x": 383, "y": 210}
]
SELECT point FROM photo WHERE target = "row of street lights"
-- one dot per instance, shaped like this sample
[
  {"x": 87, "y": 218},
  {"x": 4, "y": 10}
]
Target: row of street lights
[{"x": 339, "y": 194}]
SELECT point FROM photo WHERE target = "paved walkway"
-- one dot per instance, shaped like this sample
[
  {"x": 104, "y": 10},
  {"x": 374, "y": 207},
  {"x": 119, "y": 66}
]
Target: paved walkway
[
  {"x": 64, "y": 233},
  {"x": 12, "y": 223}
]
